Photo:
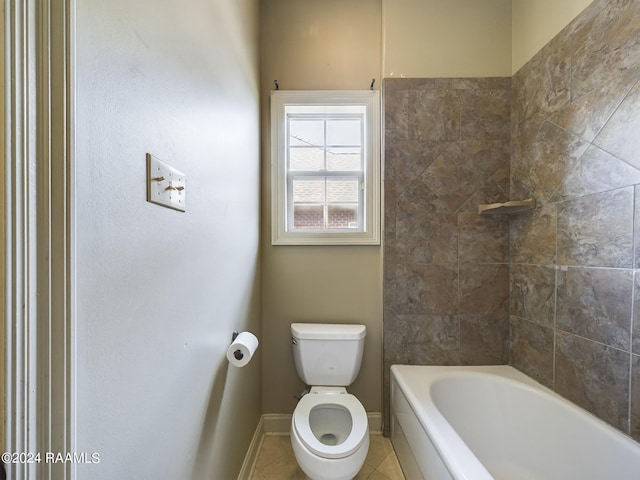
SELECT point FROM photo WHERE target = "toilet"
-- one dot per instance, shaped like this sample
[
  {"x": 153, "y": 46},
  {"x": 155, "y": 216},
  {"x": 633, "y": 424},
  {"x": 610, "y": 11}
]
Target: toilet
[{"x": 329, "y": 427}]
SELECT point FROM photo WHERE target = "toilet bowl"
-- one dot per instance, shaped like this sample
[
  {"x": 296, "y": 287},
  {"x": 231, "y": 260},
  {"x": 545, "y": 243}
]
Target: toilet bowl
[
  {"x": 329, "y": 427},
  {"x": 330, "y": 434}
]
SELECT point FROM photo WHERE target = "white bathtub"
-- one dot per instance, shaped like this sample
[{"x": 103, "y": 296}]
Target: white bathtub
[{"x": 477, "y": 423}]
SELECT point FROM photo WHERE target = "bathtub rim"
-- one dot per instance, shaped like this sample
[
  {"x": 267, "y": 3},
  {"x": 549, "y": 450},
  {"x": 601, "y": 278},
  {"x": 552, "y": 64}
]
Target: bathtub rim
[{"x": 443, "y": 436}]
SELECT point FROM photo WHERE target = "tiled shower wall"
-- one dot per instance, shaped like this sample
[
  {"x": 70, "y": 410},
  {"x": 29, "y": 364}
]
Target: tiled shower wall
[
  {"x": 446, "y": 283},
  {"x": 574, "y": 260},
  {"x": 572, "y": 266}
]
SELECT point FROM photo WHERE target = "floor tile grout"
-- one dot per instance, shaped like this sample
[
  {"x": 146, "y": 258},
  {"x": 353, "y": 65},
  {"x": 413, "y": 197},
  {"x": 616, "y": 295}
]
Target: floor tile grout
[{"x": 276, "y": 460}]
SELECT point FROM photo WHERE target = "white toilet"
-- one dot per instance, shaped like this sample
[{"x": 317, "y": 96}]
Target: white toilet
[{"x": 329, "y": 428}]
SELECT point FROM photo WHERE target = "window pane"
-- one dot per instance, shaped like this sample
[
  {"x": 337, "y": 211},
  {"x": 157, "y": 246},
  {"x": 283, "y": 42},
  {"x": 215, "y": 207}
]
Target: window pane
[
  {"x": 344, "y": 132},
  {"x": 309, "y": 159},
  {"x": 306, "y": 132},
  {"x": 308, "y": 216},
  {"x": 343, "y": 216},
  {"x": 342, "y": 190},
  {"x": 344, "y": 159},
  {"x": 308, "y": 191}
]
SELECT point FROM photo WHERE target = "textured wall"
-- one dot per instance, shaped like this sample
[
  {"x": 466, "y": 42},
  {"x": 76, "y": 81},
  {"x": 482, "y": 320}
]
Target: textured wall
[
  {"x": 576, "y": 149},
  {"x": 441, "y": 38},
  {"x": 160, "y": 292},
  {"x": 311, "y": 45},
  {"x": 446, "y": 280}
]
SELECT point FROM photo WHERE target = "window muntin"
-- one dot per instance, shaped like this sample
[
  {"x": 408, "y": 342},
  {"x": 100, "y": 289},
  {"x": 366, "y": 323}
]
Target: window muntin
[{"x": 325, "y": 168}]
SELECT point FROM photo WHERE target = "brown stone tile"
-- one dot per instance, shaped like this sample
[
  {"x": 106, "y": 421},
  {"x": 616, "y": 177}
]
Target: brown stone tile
[
  {"x": 518, "y": 189},
  {"x": 434, "y": 115},
  {"x": 483, "y": 238},
  {"x": 390, "y": 202},
  {"x": 548, "y": 160},
  {"x": 395, "y": 84},
  {"x": 595, "y": 377},
  {"x": 484, "y": 288},
  {"x": 427, "y": 238},
  {"x": 596, "y": 172},
  {"x": 527, "y": 89},
  {"x": 586, "y": 115},
  {"x": 485, "y": 114},
  {"x": 533, "y": 236},
  {"x": 556, "y": 64},
  {"x": 523, "y": 136},
  {"x": 422, "y": 340},
  {"x": 415, "y": 196},
  {"x": 396, "y": 115},
  {"x": 542, "y": 85},
  {"x": 453, "y": 177},
  {"x": 604, "y": 44},
  {"x": 469, "y": 83},
  {"x": 533, "y": 293},
  {"x": 620, "y": 135},
  {"x": 532, "y": 350},
  {"x": 490, "y": 155},
  {"x": 493, "y": 190},
  {"x": 636, "y": 227},
  {"x": 423, "y": 289},
  {"x": 405, "y": 160},
  {"x": 597, "y": 230},
  {"x": 635, "y": 334},
  {"x": 444, "y": 83},
  {"x": 596, "y": 303},
  {"x": 484, "y": 339},
  {"x": 635, "y": 398}
]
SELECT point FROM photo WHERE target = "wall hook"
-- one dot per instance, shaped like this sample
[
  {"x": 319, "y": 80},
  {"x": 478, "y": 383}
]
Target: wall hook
[{"x": 237, "y": 353}]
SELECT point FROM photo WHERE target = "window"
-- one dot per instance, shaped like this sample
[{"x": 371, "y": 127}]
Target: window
[{"x": 325, "y": 168}]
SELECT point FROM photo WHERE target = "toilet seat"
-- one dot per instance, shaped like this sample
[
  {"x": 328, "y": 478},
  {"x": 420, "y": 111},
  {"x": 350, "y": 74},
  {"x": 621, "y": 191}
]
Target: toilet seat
[{"x": 359, "y": 421}]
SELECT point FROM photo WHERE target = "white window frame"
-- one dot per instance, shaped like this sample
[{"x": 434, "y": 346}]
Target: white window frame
[{"x": 369, "y": 234}]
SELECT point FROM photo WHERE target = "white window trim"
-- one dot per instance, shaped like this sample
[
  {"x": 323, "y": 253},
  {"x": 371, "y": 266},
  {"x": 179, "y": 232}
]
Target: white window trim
[{"x": 279, "y": 233}]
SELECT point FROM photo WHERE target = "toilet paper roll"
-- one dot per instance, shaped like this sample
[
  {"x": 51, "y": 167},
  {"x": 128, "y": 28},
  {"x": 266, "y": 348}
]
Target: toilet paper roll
[{"x": 242, "y": 349}]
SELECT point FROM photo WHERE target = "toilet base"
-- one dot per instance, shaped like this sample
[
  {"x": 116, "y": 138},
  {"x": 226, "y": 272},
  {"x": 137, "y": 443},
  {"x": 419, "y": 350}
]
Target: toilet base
[{"x": 318, "y": 468}]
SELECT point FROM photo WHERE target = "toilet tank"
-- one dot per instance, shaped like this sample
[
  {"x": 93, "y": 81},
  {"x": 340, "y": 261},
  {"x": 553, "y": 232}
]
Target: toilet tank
[{"x": 327, "y": 354}]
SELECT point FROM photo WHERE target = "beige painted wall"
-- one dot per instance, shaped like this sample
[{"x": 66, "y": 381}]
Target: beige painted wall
[
  {"x": 536, "y": 22},
  {"x": 444, "y": 38},
  {"x": 306, "y": 45},
  {"x": 159, "y": 292},
  {"x": 309, "y": 45}
]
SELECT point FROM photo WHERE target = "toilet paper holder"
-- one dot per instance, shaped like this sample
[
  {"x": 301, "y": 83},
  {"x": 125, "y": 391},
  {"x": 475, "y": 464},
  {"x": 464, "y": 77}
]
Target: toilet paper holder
[{"x": 237, "y": 354}]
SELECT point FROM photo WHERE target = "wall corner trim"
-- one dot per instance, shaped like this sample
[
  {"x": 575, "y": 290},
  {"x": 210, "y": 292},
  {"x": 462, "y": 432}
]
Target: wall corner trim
[{"x": 40, "y": 237}]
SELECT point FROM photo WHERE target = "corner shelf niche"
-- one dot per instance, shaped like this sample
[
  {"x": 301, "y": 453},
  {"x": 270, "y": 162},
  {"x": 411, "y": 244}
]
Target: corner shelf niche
[{"x": 507, "y": 208}]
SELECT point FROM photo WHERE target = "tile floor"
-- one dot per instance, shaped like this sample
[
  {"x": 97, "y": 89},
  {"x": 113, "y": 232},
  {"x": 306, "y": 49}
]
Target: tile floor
[{"x": 276, "y": 461}]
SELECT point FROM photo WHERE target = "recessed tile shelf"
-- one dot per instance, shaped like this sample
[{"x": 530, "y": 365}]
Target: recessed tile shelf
[{"x": 507, "y": 208}]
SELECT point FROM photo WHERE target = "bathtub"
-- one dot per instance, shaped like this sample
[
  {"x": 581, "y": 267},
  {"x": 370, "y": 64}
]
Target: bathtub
[{"x": 480, "y": 423}]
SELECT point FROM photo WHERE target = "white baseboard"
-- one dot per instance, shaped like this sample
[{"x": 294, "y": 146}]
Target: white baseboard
[
  {"x": 280, "y": 424},
  {"x": 375, "y": 422},
  {"x": 277, "y": 423}
]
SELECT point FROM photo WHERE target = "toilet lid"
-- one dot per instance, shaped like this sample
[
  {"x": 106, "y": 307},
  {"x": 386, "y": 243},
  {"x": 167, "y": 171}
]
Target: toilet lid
[{"x": 359, "y": 429}]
